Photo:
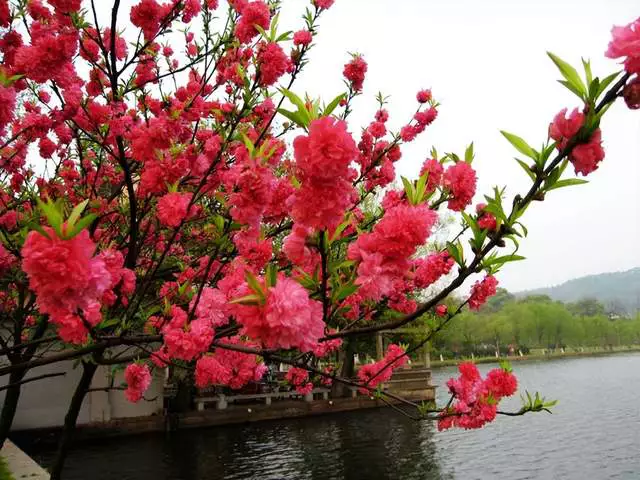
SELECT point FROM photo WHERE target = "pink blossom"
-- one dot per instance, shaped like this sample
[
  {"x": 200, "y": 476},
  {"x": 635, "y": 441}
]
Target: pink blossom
[
  {"x": 185, "y": 341},
  {"x": 425, "y": 118},
  {"x": 323, "y": 158},
  {"x": 299, "y": 378},
  {"x": 355, "y": 71},
  {"x": 9, "y": 220},
  {"x": 626, "y": 43},
  {"x": 302, "y": 38},
  {"x": 296, "y": 249},
  {"x": 173, "y": 208},
  {"x": 476, "y": 399},
  {"x": 5, "y": 13},
  {"x": 501, "y": 383},
  {"x": 148, "y": 15},
  {"x": 66, "y": 6},
  {"x": 441, "y": 310},
  {"x": 408, "y": 133},
  {"x": 7, "y": 106},
  {"x": 373, "y": 374},
  {"x": 377, "y": 129},
  {"x": 423, "y": 96},
  {"x": 382, "y": 116},
  {"x": 481, "y": 291},
  {"x": 384, "y": 253},
  {"x": 434, "y": 170},
  {"x": 138, "y": 378},
  {"x": 460, "y": 181},
  {"x": 272, "y": 63},
  {"x": 323, "y": 3},
  {"x": 66, "y": 277},
  {"x": 563, "y": 129},
  {"x": 322, "y": 349},
  {"x": 486, "y": 220},
  {"x": 7, "y": 260},
  {"x": 288, "y": 319},
  {"x": 254, "y": 13},
  {"x": 430, "y": 269},
  {"x": 585, "y": 157},
  {"x": 228, "y": 367},
  {"x": 212, "y": 307},
  {"x": 631, "y": 94}
]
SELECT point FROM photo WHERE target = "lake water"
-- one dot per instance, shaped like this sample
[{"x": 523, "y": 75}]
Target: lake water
[{"x": 594, "y": 433}]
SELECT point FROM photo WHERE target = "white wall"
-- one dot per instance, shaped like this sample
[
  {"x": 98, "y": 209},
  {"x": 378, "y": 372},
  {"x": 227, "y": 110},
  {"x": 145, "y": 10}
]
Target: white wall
[{"x": 44, "y": 403}]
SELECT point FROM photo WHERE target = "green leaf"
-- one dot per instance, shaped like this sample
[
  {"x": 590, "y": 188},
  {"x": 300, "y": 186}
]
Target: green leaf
[
  {"x": 410, "y": 190},
  {"x": 339, "y": 229},
  {"x": 248, "y": 143},
  {"x": 525, "y": 231},
  {"x": 83, "y": 223},
  {"x": 514, "y": 240},
  {"x": 567, "y": 183},
  {"x": 293, "y": 116},
  {"x": 472, "y": 224},
  {"x": 526, "y": 168},
  {"x": 496, "y": 210},
  {"x": 218, "y": 221},
  {"x": 594, "y": 87},
  {"x": 262, "y": 31},
  {"x": 284, "y": 36},
  {"x": 572, "y": 88},
  {"x": 506, "y": 366},
  {"x": 274, "y": 26},
  {"x": 455, "y": 252},
  {"x": 421, "y": 187},
  {"x": 328, "y": 110},
  {"x": 344, "y": 291},
  {"x": 252, "y": 299},
  {"x": 298, "y": 102},
  {"x": 520, "y": 145},
  {"x": 76, "y": 212},
  {"x": 272, "y": 275},
  {"x": 570, "y": 74},
  {"x": 254, "y": 284},
  {"x": 468, "y": 153},
  {"x": 502, "y": 260},
  {"x": 605, "y": 82},
  {"x": 587, "y": 70},
  {"x": 52, "y": 213}
]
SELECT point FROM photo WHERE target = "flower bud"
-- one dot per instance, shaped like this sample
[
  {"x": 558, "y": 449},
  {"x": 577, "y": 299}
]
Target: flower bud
[{"x": 631, "y": 94}]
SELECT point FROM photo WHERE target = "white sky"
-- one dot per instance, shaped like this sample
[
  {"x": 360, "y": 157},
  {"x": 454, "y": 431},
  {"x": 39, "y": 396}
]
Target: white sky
[{"x": 485, "y": 62}]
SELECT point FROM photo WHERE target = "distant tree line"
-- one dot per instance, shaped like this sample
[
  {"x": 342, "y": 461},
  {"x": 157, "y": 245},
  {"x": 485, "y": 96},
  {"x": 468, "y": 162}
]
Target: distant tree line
[{"x": 508, "y": 324}]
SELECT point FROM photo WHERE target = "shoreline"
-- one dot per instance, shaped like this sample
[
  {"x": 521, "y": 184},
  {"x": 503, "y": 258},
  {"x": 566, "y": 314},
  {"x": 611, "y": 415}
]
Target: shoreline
[{"x": 535, "y": 357}]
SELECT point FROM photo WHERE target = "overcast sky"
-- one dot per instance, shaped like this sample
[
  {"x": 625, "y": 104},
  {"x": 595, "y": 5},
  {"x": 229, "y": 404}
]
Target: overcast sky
[{"x": 485, "y": 62}]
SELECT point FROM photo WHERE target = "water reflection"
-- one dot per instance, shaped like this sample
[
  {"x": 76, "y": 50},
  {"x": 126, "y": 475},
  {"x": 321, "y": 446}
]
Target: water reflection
[{"x": 593, "y": 435}]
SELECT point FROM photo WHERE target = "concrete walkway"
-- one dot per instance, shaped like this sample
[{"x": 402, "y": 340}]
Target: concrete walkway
[{"x": 20, "y": 464}]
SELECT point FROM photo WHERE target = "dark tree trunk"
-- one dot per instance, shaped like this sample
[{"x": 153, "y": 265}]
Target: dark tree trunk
[
  {"x": 10, "y": 405},
  {"x": 183, "y": 399},
  {"x": 88, "y": 370},
  {"x": 347, "y": 370}
]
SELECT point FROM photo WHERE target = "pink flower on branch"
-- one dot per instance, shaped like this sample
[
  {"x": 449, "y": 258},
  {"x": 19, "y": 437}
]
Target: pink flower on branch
[
  {"x": 481, "y": 291},
  {"x": 138, "y": 378},
  {"x": 476, "y": 399},
  {"x": 626, "y": 43}
]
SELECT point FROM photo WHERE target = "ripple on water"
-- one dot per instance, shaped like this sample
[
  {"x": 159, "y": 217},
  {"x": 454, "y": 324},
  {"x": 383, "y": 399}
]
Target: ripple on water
[{"x": 594, "y": 434}]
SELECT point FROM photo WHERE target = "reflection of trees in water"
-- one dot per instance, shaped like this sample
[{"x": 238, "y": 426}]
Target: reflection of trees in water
[{"x": 378, "y": 444}]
